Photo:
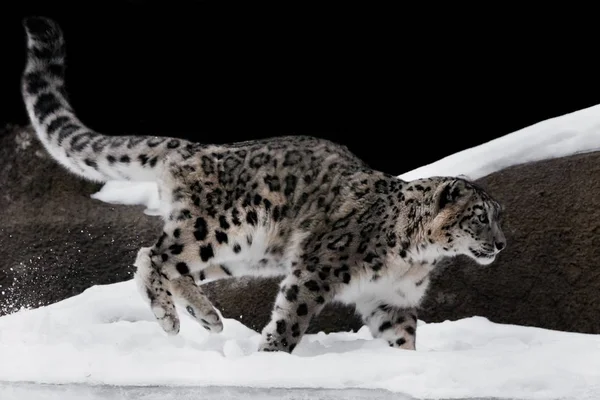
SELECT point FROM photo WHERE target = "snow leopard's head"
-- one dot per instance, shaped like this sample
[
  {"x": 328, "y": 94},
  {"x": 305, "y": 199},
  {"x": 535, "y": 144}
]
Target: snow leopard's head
[{"x": 467, "y": 221}]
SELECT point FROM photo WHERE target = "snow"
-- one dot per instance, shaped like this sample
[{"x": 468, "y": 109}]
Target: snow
[
  {"x": 108, "y": 336},
  {"x": 130, "y": 193},
  {"x": 36, "y": 391},
  {"x": 573, "y": 133}
]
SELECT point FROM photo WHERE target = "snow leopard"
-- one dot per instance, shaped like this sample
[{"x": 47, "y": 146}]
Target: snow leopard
[{"x": 304, "y": 209}]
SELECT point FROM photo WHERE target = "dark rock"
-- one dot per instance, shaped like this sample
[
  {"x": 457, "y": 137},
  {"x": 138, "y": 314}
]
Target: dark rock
[{"x": 56, "y": 241}]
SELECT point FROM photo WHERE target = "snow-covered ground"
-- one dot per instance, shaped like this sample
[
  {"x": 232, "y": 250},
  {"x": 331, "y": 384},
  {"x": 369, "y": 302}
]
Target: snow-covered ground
[
  {"x": 108, "y": 336},
  {"x": 37, "y": 391}
]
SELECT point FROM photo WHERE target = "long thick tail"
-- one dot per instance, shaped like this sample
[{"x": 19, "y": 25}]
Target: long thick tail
[{"x": 89, "y": 154}]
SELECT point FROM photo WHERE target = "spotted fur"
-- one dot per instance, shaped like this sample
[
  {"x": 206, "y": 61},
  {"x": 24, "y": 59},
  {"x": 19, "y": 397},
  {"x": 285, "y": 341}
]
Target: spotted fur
[{"x": 301, "y": 208}]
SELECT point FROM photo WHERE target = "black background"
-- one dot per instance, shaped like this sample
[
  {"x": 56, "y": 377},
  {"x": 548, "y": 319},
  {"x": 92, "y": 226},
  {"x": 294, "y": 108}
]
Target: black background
[{"x": 401, "y": 85}]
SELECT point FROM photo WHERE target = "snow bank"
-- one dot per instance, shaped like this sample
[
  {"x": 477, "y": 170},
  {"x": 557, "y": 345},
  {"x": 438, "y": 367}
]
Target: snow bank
[
  {"x": 107, "y": 335},
  {"x": 573, "y": 133}
]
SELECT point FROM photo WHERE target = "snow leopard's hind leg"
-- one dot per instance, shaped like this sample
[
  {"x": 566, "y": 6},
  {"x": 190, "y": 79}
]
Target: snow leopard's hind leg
[
  {"x": 163, "y": 294},
  {"x": 154, "y": 288}
]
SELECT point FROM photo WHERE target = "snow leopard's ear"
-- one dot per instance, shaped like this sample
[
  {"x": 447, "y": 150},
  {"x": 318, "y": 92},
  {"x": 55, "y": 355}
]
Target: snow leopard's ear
[{"x": 451, "y": 193}]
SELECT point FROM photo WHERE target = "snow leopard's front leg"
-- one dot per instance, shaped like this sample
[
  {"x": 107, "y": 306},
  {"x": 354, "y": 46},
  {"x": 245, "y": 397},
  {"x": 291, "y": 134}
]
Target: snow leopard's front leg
[
  {"x": 302, "y": 296},
  {"x": 396, "y": 325},
  {"x": 154, "y": 288}
]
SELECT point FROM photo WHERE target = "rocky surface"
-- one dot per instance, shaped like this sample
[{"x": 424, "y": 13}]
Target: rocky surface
[{"x": 55, "y": 241}]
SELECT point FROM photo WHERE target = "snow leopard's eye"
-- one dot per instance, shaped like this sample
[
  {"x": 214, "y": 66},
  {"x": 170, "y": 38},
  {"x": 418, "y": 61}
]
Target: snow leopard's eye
[{"x": 483, "y": 218}]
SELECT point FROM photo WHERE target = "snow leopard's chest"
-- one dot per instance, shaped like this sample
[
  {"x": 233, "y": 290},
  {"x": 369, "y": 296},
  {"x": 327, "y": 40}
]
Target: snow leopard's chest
[{"x": 404, "y": 287}]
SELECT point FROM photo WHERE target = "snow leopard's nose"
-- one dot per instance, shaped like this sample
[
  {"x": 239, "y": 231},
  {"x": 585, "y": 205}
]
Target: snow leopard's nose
[{"x": 500, "y": 244}]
